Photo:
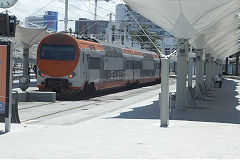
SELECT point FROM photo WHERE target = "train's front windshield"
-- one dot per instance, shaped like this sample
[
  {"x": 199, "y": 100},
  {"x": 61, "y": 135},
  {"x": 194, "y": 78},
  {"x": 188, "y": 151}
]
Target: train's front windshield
[{"x": 57, "y": 52}]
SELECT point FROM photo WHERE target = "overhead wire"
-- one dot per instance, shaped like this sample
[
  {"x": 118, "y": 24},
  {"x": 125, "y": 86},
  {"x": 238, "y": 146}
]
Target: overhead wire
[
  {"x": 89, "y": 12},
  {"x": 92, "y": 14},
  {"x": 142, "y": 29},
  {"x": 110, "y": 12},
  {"x": 104, "y": 8},
  {"x": 86, "y": 6},
  {"x": 71, "y": 11},
  {"x": 42, "y": 7},
  {"x": 38, "y": 26}
]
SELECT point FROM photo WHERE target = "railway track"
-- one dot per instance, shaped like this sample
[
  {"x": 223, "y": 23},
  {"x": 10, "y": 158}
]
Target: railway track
[{"x": 76, "y": 110}]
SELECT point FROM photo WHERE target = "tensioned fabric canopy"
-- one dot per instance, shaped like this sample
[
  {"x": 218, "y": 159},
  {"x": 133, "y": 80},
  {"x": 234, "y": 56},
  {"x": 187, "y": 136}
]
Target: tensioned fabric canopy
[
  {"x": 184, "y": 18},
  {"x": 210, "y": 24},
  {"x": 221, "y": 39},
  {"x": 27, "y": 37}
]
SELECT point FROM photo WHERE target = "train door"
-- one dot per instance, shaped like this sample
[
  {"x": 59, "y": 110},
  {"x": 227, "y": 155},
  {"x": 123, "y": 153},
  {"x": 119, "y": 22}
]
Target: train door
[
  {"x": 84, "y": 67},
  {"x": 102, "y": 76},
  {"x": 86, "y": 64}
]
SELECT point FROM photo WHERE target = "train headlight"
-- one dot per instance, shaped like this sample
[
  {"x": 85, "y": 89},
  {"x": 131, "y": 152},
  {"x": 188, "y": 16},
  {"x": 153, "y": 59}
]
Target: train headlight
[
  {"x": 41, "y": 74},
  {"x": 72, "y": 75}
]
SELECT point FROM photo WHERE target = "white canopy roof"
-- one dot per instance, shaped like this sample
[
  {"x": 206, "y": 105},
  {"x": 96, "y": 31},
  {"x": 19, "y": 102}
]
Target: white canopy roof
[
  {"x": 27, "y": 37},
  {"x": 184, "y": 18},
  {"x": 210, "y": 24},
  {"x": 220, "y": 39}
]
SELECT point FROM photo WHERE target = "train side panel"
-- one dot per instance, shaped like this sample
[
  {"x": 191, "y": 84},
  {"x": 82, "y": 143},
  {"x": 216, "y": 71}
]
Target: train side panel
[
  {"x": 128, "y": 69},
  {"x": 95, "y": 66}
]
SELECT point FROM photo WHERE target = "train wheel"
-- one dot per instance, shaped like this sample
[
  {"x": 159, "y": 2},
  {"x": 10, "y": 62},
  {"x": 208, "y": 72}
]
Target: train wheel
[
  {"x": 92, "y": 86},
  {"x": 89, "y": 88}
]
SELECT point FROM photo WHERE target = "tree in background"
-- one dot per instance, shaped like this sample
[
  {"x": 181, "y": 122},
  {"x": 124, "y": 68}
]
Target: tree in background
[{"x": 143, "y": 39}]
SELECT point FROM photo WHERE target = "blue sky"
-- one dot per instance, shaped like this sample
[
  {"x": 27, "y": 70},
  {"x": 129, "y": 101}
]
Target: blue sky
[{"x": 77, "y": 9}]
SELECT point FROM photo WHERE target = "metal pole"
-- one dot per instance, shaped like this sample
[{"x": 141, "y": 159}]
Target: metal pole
[
  {"x": 66, "y": 16},
  {"x": 221, "y": 67},
  {"x": 202, "y": 69},
  {"x": 190, "y": 73},
  {"x": 24, "y": 79},
  {"x": 95, "y": 11},
  {"x": 8, "y": 120},
  {"x": 25, "y": 62},
  {"x": 237, "y": 63},
  {"x": 110, "y": 29},
  {"x": 226, "y": 66},
  {"x": 95, "y": 18},
  {"x": 125, "y": 33},
  {"x": 164, "y": 95},
  {"x": 190, "y": 68},
  {"x": 211, "y": 70},
  {"x": 208, "y": 71},
  {"x": 181, "y": 91},
  {"x": 199, "y": 54},
  {"x": 217, "y": 68}
]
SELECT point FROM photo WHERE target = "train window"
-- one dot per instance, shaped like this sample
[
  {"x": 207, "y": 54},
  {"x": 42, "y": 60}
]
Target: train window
[
  {"x": 129, "y": 64},
  {"x": 147, "y": 73},
  {"x": 148, "y": 56},
  {"x": 94, "y": 63},
  {"x": 57, "y": 52},
  {"x": 137, "y": 65},
  {"x": 133, "y": 64},
  {"x": 112, "y": 51}
]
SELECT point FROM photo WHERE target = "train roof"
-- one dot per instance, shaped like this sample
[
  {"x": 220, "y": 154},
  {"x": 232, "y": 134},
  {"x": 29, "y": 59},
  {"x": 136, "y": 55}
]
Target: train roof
[{"x": 117, "y": 45}]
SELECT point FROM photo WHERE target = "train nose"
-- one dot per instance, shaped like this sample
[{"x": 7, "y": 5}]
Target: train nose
[
  {"x": 53, "y": 83},
  {"x": 58, "y": 55}
]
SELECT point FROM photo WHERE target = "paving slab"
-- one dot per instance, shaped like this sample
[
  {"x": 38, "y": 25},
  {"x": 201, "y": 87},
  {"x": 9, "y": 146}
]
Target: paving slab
[{"x": 209, "y": 131}]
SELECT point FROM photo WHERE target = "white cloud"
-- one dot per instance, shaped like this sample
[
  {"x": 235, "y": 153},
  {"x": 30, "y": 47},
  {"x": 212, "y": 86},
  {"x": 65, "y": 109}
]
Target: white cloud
[{"x": 77, "y": 9}]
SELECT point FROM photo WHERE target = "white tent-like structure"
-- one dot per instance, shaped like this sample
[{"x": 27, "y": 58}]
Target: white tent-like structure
[
  {"x": 26, "y": 38},
  {"x": 220, "y": 40},
  {"x": 184, "y": 18},
  {"x": 219, "y": 37},
  {"x": 210, "y": 25}
]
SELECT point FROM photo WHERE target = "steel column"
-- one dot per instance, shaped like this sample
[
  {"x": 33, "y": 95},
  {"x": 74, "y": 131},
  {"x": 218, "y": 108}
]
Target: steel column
[
  {"x": 25, "y": 62},
  {"x": 66, "y": 16},
  {"x": 199, "y": 55},
  {"x": 181, "y": 96},
  {"x": 190, "y": 69},
  {"x": 190, "y": 73},
  {"x": 217, "y": 66},
  {"x": 164, "y": 95},
  {"x": 212, "y": 70},
  {"x": 8, "y": 120},
  {"x": 208, "y": 70}
]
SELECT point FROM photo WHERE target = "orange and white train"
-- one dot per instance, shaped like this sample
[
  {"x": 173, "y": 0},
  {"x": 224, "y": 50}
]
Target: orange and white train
[{"x": 66, "y": 63}]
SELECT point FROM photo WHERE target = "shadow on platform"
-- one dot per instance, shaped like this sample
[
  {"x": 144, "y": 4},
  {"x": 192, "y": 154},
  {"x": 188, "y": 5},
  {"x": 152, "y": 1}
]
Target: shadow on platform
[
  {"x": 2, "y": 132},
  {"x": 221, "y": 107}
]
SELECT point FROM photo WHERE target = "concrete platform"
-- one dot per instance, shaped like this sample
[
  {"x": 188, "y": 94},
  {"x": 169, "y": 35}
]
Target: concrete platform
[
  {"x": 32, "y": 95},
  {"x": 209, "y": 131}
]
